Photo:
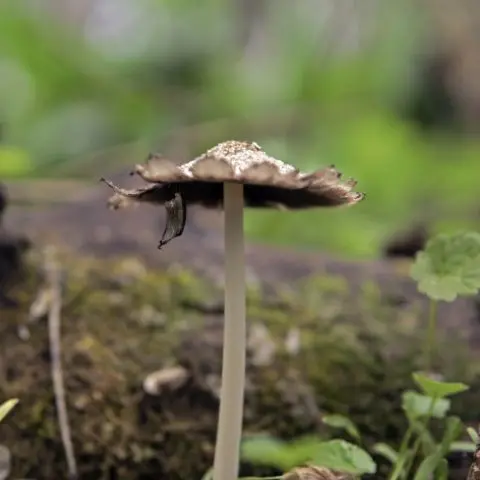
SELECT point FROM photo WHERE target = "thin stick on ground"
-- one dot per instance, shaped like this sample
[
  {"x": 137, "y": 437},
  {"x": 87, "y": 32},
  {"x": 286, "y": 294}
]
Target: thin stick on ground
[{"x": 54, "y": 282}]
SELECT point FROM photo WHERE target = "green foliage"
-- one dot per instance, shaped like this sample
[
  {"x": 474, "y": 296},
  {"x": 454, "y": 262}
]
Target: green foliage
[
  {"x": 386, "y": 451},
  {"x": 419, "y": 443},
  {"x": 463, "y": 446},
  {"x": 449, "y": 266},
  {"x": 436, "y": 389},
  {"x": 334, "y": 454},
  {"x": 435, "y": 463},
  {"x": 420, "y": 409},
  {"x": 270, "y": 451},
  {"x": 418, "y": 406},
  {"x": 344, "y": 457},
  {"x": 342, "y": 422},
  {"x": 6, "y": 407}
]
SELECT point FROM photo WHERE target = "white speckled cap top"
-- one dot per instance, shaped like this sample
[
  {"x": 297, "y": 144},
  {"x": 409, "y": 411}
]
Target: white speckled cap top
[{"x": 268, "y": 182}]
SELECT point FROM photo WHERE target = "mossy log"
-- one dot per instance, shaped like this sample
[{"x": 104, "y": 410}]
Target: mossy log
[
  {"x": 312, "y": 349},
  {"x": 142, "y": 335}
]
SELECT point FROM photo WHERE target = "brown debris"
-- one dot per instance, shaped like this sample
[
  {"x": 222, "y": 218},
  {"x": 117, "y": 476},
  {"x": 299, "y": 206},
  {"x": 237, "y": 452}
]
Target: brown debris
[
  {"x": 166, "y": 379},
  {"x": 315, "y": 473}
]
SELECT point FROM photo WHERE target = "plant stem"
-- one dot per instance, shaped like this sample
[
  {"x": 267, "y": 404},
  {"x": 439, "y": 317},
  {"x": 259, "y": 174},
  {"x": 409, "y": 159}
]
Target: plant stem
[
  {"x": 411, "y": 459},
  {"x": 402, "y": 455},
  {"x": 229, "y": 433},
  {"x": 53, "y": 275},
  {"x": 418, "y": 440},
  {"x": 431, "y": 341}
]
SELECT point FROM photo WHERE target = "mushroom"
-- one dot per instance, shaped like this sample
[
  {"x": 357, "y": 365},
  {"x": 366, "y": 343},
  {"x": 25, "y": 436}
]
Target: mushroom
[{"x": 232, "y": 174}]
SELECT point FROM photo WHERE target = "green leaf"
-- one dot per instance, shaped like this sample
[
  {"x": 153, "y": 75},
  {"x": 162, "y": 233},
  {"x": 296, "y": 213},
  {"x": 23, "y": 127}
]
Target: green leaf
[
  {"x": 302, "y": 450},
  {"x": 428, "y": 466},
  {"x": 340, "y": 421},
  {"x": 453, "y": 430},
  {"x": 468, "y": 447},
  {"x": 426, "y": 438},
  {"x": 442, "y": 470},
  {"x": 436, "y": 461},
  {"x": 449, "y": 266},
  {"x": 434, "y": 388},
  {"x": 344, "y": 457},
  {"x": 473, "y": 435},
  {"x": 6, "y": 407},
  {"x": 400, "y": 468},
  {"x": 264, "y": 450},
  {"x": 386, "y": 451},
  {"x": 417, "y": 405}
]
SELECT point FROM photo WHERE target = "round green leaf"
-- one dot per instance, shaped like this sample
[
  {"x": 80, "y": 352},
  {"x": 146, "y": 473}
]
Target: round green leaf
[
  {"x": 417, "y": 405},
  {"x": 449, "y": 266}
]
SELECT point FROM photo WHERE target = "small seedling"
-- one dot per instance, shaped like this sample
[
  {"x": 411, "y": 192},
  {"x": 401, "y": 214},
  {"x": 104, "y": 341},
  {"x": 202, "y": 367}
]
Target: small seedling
[
  {"x": 418, "y": 444},
  {"x": 448, "y": 267}
]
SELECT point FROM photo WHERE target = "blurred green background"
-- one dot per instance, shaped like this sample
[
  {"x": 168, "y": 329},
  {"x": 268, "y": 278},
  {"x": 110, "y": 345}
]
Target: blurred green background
[{"x": 385, "y": 90}]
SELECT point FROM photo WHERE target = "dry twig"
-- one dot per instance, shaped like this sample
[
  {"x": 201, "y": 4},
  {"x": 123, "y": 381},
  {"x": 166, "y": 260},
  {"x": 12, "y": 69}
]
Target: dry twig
[
  {"x": 52, "y": 302},
  {"x": 315, "y": 473}
]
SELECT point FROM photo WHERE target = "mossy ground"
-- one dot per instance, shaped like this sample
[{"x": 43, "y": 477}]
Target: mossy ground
[{"x": 120, "y": 321}]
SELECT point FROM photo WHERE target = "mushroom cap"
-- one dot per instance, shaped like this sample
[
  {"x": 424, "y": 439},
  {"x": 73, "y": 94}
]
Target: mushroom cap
[{"x": 268, "y": 182}]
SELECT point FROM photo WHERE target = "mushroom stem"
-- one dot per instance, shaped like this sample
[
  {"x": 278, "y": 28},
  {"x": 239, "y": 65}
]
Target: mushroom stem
[{"x": 229, "y": 433}]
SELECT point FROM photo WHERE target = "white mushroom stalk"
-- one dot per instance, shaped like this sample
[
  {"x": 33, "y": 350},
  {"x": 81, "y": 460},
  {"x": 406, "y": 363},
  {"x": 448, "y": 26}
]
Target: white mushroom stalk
[
  {"x": 233, "y": 174},
  {"x": 229, "y": 432}
]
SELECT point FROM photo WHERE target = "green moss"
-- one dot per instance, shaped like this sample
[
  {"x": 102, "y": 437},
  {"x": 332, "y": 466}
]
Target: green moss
[{"x": 121, "y": 321}]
